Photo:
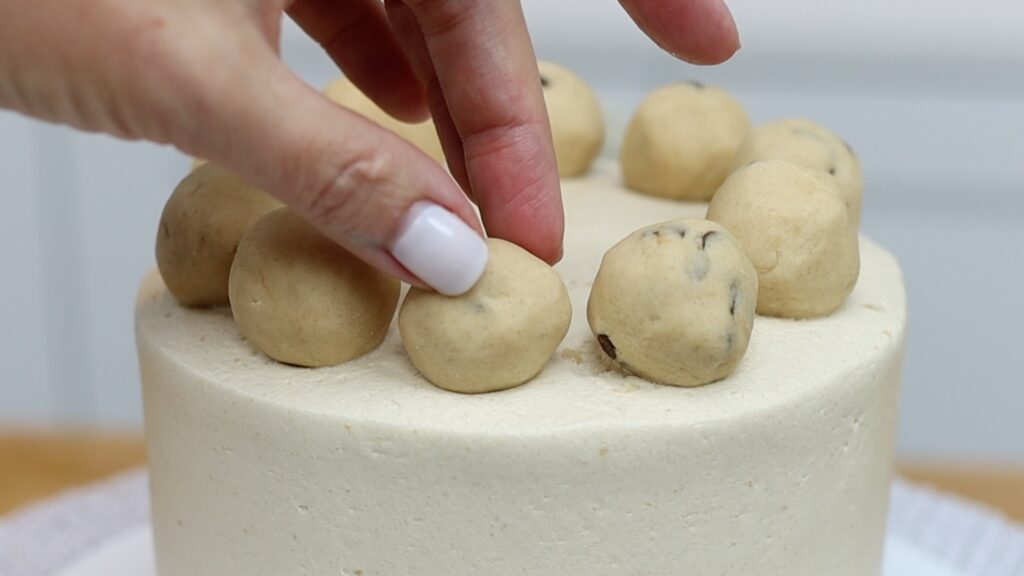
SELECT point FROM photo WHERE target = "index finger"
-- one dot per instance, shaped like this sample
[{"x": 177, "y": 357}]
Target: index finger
[
  {"x": 487, "y": 72},
  {"x": 699, "y": 31}
]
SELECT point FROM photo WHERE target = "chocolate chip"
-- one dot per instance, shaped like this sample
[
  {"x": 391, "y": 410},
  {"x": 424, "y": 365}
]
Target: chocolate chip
[
  {"x": 544, "y": 81},
  {"x": 607, "y": 346},
  {"x": 705, "y": 237},
  {"x": 658, "y": 231},
  {"x": 832, "y": 170},
  {"x": 734, "y": 293}
]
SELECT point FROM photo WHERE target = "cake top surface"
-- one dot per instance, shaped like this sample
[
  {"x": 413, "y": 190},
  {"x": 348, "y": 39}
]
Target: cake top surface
[{"x": 579, "y": 389}]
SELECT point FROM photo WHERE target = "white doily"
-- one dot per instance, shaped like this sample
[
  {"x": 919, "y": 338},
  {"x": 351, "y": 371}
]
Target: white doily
[{"x": 45, "y": 538}]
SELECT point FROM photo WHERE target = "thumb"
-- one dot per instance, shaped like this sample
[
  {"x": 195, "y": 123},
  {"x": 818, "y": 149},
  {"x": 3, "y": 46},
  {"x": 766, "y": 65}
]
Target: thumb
[{"x": 364, "y": 187}]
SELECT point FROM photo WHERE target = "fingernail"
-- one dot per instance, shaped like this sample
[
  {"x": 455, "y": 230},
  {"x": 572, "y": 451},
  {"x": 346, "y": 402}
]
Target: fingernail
[{"x": 440, "y": 249}]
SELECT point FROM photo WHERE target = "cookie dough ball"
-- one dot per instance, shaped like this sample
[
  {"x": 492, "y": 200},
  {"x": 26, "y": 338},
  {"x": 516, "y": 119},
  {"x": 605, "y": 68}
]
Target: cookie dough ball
[
  {"x": 674, "y": 302},
  {"x": 498, "y": 335},
  {"x": 794, "y": 225},
  {"x": 200, "y": 227},
  {"x": 809, "y": 145},
  {"x": 304, "y": 300},
  {"x": 682, "y": 140},
  {"x": 423, "y": 135},
  {"x": 577, "y": 124}
]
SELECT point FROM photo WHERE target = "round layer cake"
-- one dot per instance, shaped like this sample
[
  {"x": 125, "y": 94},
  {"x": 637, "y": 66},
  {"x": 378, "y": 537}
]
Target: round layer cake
[{"x": 783, "y": 468}]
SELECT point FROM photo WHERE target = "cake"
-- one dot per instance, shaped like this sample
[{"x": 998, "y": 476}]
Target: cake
[{"x": 365, "y": 468}]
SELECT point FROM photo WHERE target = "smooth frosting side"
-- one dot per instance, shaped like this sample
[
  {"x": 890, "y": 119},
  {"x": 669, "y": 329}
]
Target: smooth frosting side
[{"x": 365, "y": 468}]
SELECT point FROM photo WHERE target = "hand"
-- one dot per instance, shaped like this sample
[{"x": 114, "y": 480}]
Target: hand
[{"x": 205, "y": 76}]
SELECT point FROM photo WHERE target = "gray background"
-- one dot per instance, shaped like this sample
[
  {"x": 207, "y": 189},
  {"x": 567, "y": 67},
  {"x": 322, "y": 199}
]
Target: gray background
[{"x": 930, "y": 93}]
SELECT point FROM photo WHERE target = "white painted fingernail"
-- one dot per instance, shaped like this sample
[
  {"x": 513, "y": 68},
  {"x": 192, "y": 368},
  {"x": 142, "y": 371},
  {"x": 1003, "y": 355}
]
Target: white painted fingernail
[{"x": 440, "y": 249}]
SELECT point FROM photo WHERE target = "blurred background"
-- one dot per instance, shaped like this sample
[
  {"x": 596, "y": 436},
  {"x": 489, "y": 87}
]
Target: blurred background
[{"x": 929, "y": 92}]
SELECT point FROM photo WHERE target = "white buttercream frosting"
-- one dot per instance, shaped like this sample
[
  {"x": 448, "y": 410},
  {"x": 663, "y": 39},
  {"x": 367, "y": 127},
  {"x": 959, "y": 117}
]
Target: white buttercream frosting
[{"x": 366, "y": 468}]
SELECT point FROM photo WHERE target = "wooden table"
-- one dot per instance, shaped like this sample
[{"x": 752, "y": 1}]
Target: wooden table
[{"x": 37, "y": 465}]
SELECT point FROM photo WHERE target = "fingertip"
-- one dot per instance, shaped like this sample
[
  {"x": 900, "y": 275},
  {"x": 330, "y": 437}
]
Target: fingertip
[
  {"x": 698, "y": 31},
  {"x": 544, "y": 239},
  {"x": 538, "y": 225},
  {"x": 550, "y": 249},
  {"x": 721, "y": 46}
]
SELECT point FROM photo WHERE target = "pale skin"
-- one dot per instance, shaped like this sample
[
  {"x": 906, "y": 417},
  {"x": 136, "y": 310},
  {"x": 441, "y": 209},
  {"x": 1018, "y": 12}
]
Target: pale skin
[{"x": 205, "y": 76}]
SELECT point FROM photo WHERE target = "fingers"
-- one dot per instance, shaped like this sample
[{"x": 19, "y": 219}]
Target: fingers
[
  {"x": 357, "y": 36},
  {"x": 362, "y": 186},
  {"x": 409, "y": 35},
  {"x": 487, "y": 74},
  {"x": 699, "y": 31}
]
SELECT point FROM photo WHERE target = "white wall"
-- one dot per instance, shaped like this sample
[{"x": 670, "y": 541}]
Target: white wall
[{"x": 931, "y": 93}]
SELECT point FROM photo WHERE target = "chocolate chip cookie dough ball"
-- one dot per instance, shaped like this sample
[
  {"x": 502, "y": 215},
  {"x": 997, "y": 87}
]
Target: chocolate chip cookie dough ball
[
  {"x": 498, "y": 335},
  {"x": 304, "y": 300},
  {"x": 674, "y": 303},
  {"x": 423, "y": 135},
  {"x": 681, "y": 141},
  {"x": 200, "y": 227},
  {"x": 577, "y": 124},
  {"x": 809, "y": 145},
  {"x": 794, "y": 225}
]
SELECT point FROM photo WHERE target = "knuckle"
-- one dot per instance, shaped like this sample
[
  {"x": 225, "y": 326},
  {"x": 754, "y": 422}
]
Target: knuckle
[
  {"x": 501, "y": 137},
  {"x": 347, "y": 200}
]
